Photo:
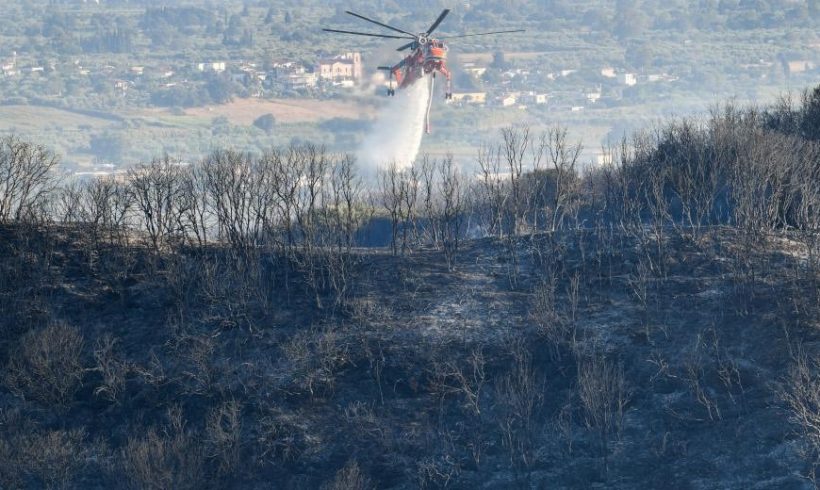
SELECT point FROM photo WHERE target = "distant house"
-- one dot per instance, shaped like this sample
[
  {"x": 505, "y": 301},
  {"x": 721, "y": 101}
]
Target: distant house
[
  {"x": 301, "y": 80},
  {"x": 339, "y": 68},
  {"x": 283, "y": 66},
  {"x": 508, "y": 100},
  {"x": 474, "y": 70},
  {"x": 659, "y": 77},
  {"x": 608, "y": 72},
  {"x": 282, "y": 70},
  {"x": 137, "y": 70},
  {"x": 798, "y": 66},
  {"x": 288, "y": 74},
  {"x": 603, "y": 158},
  {"x": 628, "y": 79},
  {"x": 9, "y": 66},
  {"x": 534, "y": 98},
  {"x": 213, "y": 66},
  {"x": 470, "y": 97},
  {"x": 122, "y": 85},
  {"x": 759, "y": 65}
]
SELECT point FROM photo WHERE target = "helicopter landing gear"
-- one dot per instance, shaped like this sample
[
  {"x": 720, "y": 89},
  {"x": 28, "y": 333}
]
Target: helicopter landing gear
[{"x": 391, "y": 90}]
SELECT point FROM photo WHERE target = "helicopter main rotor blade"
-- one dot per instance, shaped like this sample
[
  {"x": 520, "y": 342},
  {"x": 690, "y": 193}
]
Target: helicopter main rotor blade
[
  {"x": 368, "y": 34},
  {"x": 354, "y": 14},
  {"x": 483, "y": 34},
  {"x": 407, "y": 46},
  {"x": 438, "y": 21}
]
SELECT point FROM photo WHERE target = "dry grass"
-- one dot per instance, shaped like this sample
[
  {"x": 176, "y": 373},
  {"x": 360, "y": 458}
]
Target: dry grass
[
  {"x": 487, "y": 57},
  {"x": 33, "y": 118},
  {"x": 245, "y": 111}
]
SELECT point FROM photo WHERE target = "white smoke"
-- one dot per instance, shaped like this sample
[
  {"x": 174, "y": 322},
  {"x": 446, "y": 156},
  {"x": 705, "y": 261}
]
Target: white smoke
[{"x": 398, "y": 129}]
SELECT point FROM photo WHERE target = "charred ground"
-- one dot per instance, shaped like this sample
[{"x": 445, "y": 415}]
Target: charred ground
[{"x": 653, "y": 324}]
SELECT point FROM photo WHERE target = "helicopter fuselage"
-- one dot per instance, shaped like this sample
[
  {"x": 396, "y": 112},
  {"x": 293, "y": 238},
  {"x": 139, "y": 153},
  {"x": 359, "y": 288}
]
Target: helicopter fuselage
[{"x": 427, "y": 58}]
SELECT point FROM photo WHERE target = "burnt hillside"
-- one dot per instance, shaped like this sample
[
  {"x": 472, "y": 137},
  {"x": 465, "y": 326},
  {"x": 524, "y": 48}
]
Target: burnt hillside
[{"x": 648, "y": 324}]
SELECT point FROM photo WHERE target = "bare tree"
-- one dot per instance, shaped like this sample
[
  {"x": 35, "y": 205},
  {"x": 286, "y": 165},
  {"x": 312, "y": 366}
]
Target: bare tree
[
  {"x": 545, "y": 311},
  {"x": 520, "y": 396},
  {"x": 53, "y": 459},
  {"x": 410, "y": 195},
  {"x": 232, "y": 182},
  {"x": 172, "y": 457},
  {"x": 513, "y": 151},
  {"x": 801, "y": 394},
  {"x": 391, "y": 192},
  {"x": 104, "y": 206},
  {"x": 344, "y": 213},
  {"x": 287, "y": 169},
  {"x": 310, "y": 200},
  {"x": 157, "y": 189},
  {"x": 350, "y": 477},
  {"x": 195, "y": 205},
  {"x": 25, "y": 178},
  {"x": 223, "y": 436},
  {"x": 492, "y": 187},
  {"x": 427, "y": 171},
  {"x": 463, "y": 378},
  {"x": 111, "y": 368},
  {"x": 451, "y": 209},
  {"x": 564, "y": 158},
  {"x": 604, "y": 396}
]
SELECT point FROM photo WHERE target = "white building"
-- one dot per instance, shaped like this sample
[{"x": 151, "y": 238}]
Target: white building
[
  {"x": 214, "y": 66},
  {"x": 594, "y": 96},
  {"x": 535, "y": 98},
  {"x": 340, "y": 68},
  {"x": 628, "y": 79},
  {"x": 508, "y": 100},
  {"x": 603, "y": 158}
]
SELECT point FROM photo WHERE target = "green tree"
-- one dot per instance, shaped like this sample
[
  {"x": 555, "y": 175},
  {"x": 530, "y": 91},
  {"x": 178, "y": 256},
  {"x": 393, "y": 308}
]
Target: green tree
[
  {"x": 107, "y": 146},
  {"x": 220, "y": 89},
  {"x": 630, "y": 21},
  {"x": 266, "y": 123},
  {"x": 499, "y": 61},
  {"x": 814, "y": 9},
  {"x": 810, "y": 124}
]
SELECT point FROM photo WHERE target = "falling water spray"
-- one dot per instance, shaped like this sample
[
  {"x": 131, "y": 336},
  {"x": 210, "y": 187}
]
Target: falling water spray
[{"x": 398, "y": 129}]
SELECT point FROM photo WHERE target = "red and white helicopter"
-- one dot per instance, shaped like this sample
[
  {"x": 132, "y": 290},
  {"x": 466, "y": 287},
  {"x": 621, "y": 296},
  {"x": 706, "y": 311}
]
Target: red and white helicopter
[{"x": 428, "y": 56}]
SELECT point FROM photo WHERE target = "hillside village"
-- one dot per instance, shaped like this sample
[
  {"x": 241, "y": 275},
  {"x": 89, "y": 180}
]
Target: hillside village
[
  {"x": 503, "y": 82},
  {"x": 119, "y": 82}
]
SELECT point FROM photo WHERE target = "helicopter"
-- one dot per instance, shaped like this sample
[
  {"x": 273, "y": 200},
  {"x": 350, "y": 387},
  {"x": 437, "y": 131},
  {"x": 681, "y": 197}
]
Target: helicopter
[{"x": 428, "y": 54}]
